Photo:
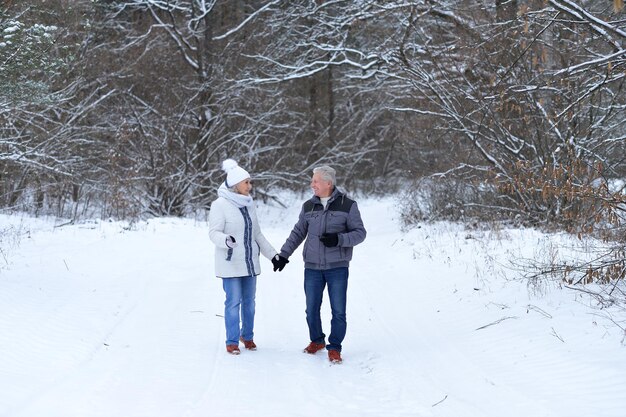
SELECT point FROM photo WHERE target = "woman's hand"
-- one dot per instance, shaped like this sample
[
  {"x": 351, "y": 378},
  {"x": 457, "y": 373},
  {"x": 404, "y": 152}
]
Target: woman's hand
[{"x": 231, "y": 242}]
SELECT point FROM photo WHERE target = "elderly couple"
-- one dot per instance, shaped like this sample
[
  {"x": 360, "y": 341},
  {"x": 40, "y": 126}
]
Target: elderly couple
[{"x": 331, "y": 224}]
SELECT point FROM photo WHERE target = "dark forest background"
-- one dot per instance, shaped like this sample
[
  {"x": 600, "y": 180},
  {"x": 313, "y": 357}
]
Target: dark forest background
[
  {"x": 500, "y": 109},
  {"x": 487, "y": 112}
]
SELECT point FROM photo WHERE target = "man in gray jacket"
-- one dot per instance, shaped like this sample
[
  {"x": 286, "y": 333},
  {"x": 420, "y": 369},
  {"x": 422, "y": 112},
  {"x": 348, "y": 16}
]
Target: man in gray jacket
[{"x": 331, "y": 224}]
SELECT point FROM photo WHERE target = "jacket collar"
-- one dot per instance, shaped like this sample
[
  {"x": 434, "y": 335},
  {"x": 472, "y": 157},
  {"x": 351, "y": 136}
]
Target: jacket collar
[
  {"x": 335, "y": 194},
  {"x": 237, "y": 199}
]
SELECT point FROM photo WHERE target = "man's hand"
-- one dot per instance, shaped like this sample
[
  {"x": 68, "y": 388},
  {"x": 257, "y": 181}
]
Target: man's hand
[
  {"x": 330, "y": 239},
  {"x": 279, "y": 262},
  {"x": 230, "y": 242}
]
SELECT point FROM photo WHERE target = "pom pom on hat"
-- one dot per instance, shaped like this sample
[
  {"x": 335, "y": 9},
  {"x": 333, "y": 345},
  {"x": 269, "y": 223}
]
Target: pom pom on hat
[
  {"x": 229, "y": 164},
  {"x": 234, "y": 173}
]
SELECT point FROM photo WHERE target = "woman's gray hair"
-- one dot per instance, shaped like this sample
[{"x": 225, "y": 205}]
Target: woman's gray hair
[{"x": 327, "y": 173}]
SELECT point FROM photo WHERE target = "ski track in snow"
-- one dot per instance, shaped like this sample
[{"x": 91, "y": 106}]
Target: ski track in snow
[{"x": 96, "y": 320}]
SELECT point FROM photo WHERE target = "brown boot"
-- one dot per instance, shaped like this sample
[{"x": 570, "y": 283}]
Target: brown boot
[
  {"x": 334, "y": 356},
  {"x": 314, "y": 348},
  {"x": 248, "y": 344},
  {"x": 233, "y": 349}
]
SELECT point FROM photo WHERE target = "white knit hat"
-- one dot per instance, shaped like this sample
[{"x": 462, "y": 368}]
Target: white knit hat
[{"x": 234, "y": 173}]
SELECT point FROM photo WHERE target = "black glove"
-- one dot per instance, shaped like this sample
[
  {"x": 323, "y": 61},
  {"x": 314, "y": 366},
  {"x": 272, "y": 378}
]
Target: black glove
[
  {"x": 231, "y": 242},
  {"x": 279, "y": 262},
  {"x": 330, "y": 239}
]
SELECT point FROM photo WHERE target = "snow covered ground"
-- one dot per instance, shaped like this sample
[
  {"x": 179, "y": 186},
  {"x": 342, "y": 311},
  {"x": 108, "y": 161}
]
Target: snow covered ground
[{"x": 106, "y": 319}]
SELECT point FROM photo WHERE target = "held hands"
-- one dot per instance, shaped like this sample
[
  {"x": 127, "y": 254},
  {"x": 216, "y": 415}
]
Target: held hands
[
  {"x": 330, "y": 239},
  {"x": 230, "y": 242},
  {"x": 279, "y": 262}
]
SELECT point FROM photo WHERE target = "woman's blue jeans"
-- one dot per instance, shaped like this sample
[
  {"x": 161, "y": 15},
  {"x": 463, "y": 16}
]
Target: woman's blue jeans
[
  {"x": 314, "y": 283},
  {"x": 240, "y": 295}
]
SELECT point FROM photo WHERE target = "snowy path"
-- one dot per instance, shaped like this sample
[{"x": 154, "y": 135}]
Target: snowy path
[{"x": 99, "y": 321}]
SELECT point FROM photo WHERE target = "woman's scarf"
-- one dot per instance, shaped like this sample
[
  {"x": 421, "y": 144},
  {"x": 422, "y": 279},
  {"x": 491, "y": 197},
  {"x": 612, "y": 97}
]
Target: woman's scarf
[{"x": 238, "y": 200}]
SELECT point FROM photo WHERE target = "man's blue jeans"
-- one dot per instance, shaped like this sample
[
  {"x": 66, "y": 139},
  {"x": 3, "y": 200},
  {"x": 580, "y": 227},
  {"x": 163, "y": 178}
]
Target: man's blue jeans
[
  {"x": 240, "y": 294},
  {"x": 314, "y": 283}
]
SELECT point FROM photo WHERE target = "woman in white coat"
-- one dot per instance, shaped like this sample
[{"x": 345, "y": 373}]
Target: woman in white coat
[{"x": 235, "y": 231}]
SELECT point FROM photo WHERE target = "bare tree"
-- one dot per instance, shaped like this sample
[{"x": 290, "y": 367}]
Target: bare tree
[
  {"x": 529, "y": 82},
  {"x": 153, "y": 95},
  {"x": 39, "y": 108}
]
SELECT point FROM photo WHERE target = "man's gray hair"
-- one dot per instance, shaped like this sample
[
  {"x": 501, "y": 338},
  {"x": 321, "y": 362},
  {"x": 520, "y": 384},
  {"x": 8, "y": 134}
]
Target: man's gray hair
[{"x": 327, "y": 173}]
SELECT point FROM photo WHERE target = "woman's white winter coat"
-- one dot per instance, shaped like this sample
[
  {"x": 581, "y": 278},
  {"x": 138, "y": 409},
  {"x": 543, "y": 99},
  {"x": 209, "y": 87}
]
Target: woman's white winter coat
[{"x": 226, "y": 219}]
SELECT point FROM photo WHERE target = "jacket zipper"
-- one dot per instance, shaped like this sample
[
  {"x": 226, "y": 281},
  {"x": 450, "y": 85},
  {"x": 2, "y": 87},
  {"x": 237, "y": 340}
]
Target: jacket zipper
[
  {"x": 322, "y": 252},
  {"x": 323, "y": 224}
]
